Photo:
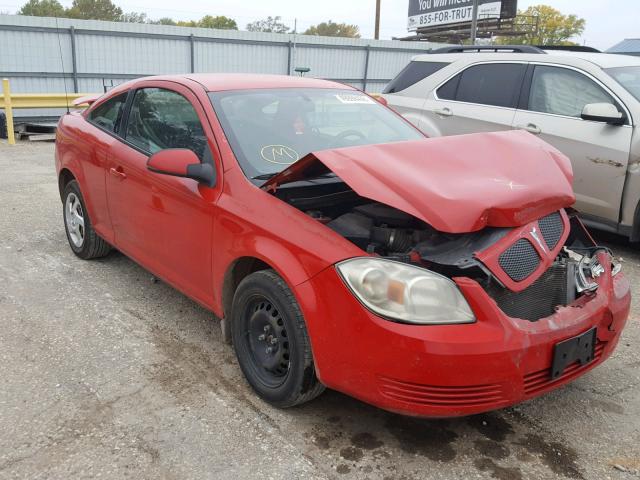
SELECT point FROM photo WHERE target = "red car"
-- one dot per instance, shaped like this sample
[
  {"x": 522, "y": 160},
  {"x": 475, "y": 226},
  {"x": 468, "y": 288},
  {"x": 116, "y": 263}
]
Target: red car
[{"x": 341, "y": 248}]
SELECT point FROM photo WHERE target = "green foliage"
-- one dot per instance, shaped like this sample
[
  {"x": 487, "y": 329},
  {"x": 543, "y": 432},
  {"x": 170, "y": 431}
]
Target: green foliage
[
  {"x": 107, "y": 10},
  {"x": 220, "y": 21},
  {"x": 95, "y": 10},
  {"x": 269, "y": 24},
  {"x": 554, "y": 28},
  {"x": 42, "y": 8},
  {"x": 332, "y": 29},
  {"x": 134, "y": 17},
  {"x": 163, "y": 21}
]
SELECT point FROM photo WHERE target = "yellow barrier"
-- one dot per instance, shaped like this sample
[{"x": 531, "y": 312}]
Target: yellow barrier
[{"x": 32, "y": 100}]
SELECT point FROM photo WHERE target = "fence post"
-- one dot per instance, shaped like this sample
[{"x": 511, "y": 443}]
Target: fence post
[
  {"x": 192, "y": 49},
  {"x": 8, "y": 111},
  {"x": 289, "y": 58},
  {"x": 366, "y": 67},
  {"x": 72, "y": 34}
]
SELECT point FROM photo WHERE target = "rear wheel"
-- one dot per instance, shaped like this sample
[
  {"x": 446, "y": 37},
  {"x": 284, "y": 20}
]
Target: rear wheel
[
  {"x": 271, "y": 341},
  {"x": 83, "y": 239}
]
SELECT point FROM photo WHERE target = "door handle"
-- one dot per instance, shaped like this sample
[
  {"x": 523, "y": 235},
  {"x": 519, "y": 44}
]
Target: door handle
[
  {"x": 531, "y": 128},
  {"x": 117, "y": 172},
  {"x": 443, "y": 112}
]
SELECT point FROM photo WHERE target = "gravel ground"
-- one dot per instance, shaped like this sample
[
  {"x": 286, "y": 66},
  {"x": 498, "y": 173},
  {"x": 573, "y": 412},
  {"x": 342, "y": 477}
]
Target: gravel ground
[{"x": 107, "y": 374}]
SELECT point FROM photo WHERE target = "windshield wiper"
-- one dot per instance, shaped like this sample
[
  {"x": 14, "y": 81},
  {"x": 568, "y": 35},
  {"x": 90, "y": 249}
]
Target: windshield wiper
[{"x": 264, "y": 176}]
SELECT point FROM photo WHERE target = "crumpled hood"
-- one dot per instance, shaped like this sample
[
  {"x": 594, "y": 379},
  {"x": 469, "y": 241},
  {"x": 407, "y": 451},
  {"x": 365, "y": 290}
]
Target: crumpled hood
[{"x": 456, "y": 184}]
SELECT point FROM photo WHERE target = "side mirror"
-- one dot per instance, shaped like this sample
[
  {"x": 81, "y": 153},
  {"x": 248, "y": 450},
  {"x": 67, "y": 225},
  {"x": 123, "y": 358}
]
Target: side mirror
[
  {"x": 182, "y": 162},
  {"x": 603, "y": 112}
]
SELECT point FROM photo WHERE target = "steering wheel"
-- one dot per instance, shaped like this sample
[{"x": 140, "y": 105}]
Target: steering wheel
[{"x": 342, "y": 136}]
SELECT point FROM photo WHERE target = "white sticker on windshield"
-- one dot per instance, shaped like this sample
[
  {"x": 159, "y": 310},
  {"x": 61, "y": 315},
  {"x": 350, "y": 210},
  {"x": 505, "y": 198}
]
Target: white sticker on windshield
[{"x": 353, "y": 98}]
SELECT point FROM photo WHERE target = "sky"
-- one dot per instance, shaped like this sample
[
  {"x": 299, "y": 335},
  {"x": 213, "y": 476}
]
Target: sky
[{"x": 608, "y": 22}]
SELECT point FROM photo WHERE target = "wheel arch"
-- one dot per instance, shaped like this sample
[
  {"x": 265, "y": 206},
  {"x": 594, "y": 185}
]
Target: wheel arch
[
  {"x": 236, "y": 272},
  {"x": 64, "y": 177}
]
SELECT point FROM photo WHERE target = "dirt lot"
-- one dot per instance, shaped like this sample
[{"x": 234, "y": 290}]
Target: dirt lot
[{"x": 107, "y": 374}]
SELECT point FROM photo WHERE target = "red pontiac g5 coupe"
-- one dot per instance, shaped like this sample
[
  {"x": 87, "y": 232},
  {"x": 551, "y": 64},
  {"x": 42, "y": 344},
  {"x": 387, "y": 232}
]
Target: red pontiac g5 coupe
[{"x": 340, "y": 247}]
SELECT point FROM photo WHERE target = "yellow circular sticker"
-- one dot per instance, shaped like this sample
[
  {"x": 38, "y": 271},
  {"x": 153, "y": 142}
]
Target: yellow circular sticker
[{"x": 280, "y": 154}]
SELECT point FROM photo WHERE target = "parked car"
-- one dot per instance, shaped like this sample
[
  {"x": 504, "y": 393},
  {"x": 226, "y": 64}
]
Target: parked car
[
  {"x": 586, "y": 104},
  {"x": 341, "y": 248}
]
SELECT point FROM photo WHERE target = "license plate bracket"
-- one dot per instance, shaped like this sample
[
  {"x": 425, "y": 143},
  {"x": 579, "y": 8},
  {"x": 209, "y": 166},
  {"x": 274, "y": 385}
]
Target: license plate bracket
[{"x": 577, "y": 349}]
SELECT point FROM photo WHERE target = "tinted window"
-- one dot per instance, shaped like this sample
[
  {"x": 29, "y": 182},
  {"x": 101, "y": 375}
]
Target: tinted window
[
  {"x": 563, "y": 92},
  {"x": 448, "y": 90},
  {"x": 161, "y": 119},
  {"x": 496, "y": 84},
  {"x": 108, "y": 114},
  {"x": 413, "y": 73}
]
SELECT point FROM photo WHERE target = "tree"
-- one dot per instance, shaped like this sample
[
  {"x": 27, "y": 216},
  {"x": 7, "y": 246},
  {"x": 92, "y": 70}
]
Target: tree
[
  {"x": 163, "y": 21},
  {"x": 42, "y": 8},
  {"x": 220, "y": 21},
  {"x": 332, "y": 29},
  {"x": 134, "y": 17},
  {"x": 269, "y": 24},
  {"x": 554, "y": 28},
  {"x": 94, "y": 10}
]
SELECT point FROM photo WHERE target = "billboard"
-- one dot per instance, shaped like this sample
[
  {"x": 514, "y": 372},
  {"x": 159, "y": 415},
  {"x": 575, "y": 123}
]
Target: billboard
[{"x": 435, "y": 13}]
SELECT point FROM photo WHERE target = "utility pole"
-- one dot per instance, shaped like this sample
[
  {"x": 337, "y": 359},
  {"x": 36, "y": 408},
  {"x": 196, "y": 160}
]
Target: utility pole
[
  {"x": 377, "y": 32},
  {"x": 474, "y": 22}
]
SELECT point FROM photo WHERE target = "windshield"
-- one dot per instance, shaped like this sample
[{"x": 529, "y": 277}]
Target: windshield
[
  {"x": 271, "y": 129},
  {"x": 628, "y": 77}
]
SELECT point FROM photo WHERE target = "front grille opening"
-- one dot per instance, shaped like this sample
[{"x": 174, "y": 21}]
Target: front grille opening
[
  {"x": 551, "y": 228},
  {"x": 554, "y": 288},
  {"x": 519, "y": 260}
]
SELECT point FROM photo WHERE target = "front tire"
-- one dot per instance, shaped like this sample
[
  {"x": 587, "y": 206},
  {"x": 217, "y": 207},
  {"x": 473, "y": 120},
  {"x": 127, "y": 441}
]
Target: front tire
[
  {"x": 83, "y": 239},
  {"x": 271, "y": 341}
]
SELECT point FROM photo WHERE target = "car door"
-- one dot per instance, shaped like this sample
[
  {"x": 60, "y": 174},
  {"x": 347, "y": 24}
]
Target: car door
[
  {"x": 481, "y": 98},
  {"x": 162, "y": 221},
  {"x": 599, "y": 152}
]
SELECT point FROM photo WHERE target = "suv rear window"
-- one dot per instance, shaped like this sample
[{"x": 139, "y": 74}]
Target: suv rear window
[
  {"x": 496, "y": 84},
  {"x": 413, "y": 73}
]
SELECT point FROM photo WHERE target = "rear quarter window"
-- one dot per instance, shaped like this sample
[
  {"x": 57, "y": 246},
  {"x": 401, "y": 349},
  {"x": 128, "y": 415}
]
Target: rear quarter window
[
  {"x": 413, "y": 73},
  {"x": 107, "y": 115}
]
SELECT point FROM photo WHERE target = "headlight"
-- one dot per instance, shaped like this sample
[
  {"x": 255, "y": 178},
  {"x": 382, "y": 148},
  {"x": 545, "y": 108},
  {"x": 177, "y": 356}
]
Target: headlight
[{"x": 406, "y": 293}]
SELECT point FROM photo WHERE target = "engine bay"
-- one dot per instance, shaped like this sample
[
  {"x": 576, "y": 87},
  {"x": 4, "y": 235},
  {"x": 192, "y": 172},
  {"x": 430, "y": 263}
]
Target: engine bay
[{"x": 381, "y": 230}]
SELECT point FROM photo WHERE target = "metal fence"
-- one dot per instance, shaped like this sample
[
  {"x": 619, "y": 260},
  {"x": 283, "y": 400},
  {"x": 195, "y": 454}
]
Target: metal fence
[{"x": 41, "y": 54}]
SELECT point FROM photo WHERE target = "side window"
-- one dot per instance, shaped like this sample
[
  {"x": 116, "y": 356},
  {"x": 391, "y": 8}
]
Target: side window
[
  {"x": 496, "y": 84},
  {"x": 449, "y": 90},
  {"x": 162, "y": 119},
  {"x": 107, "y": 115},
  {"x": 562, "y": 91},
  {"x": 411, "y": 74}
]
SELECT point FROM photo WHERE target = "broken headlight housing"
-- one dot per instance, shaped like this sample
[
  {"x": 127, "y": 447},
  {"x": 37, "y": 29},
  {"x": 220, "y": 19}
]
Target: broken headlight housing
[{"x": 405, "y": 293}]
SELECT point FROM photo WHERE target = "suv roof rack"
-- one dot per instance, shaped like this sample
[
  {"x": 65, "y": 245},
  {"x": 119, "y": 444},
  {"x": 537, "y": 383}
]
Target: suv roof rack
[
  {"x": 489, "y": 48},
  {"x": 569, "y": 48}
]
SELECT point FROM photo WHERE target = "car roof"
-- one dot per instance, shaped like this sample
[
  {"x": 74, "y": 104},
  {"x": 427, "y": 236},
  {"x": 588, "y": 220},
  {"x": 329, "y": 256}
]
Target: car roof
[
  {"x": 215, "y": 82},
  {"x": 602, "y": 60}
]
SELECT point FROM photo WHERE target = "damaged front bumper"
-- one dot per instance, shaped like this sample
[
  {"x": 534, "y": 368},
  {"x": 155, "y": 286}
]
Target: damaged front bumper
[{"x": 453, "y": 370}]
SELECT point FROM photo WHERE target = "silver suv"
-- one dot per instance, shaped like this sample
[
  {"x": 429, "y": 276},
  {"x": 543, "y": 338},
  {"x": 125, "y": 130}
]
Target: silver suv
[{"x": 586, "y": 104}]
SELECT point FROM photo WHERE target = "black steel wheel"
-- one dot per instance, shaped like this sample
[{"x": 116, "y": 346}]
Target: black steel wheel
[{"x": 271, "y": 341}]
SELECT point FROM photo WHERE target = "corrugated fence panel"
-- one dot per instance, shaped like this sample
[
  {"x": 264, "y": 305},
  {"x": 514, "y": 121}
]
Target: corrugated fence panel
[
  {"x": 109, "y": 53},
  {"x": 34, "y": 51},
  {"x": 118, "y": 54},
  {"x": 331, "y": 63},
  {"x": 240, "y": 58}
]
